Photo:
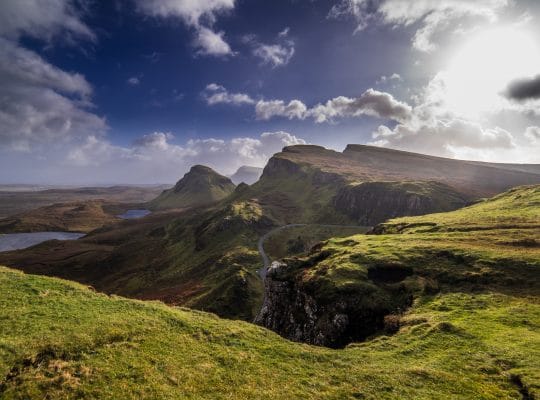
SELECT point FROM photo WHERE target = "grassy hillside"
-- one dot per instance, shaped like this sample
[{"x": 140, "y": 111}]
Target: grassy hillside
[
  {"x": 200, "y": 186},
  {"x": 60, "y": 340},
  {"x": 516, "y": 208},
  {"x": 492, "y": 247},
  {"x": 471, "y": 332},
  {"x": 201, "y": 258}
]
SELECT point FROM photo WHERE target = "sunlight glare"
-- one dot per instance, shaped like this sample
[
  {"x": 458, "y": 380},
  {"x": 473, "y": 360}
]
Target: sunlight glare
[{"x": 484, "y": 66}]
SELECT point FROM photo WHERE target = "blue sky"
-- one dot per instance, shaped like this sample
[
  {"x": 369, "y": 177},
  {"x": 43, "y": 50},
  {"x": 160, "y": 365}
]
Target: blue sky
[{"x": 136, "y": 91}]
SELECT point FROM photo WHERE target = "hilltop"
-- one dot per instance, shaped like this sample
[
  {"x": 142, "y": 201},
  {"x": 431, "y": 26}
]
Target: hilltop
[{"x": 200, "y": 186}]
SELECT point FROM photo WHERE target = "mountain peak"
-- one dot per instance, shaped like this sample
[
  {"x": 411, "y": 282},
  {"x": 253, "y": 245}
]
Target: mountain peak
[
  {"x": 198, "y": 168},
  {"x": 200, "y": 186}
]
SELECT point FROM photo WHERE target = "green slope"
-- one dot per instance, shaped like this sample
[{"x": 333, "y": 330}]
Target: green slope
[
  {"x": 200, "y": 186},
  {"x": 60, "y": 340}
]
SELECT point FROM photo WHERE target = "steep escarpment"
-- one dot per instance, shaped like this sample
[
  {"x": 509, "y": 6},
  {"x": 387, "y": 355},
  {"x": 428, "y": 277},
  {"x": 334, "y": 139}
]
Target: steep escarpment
[
  {"x": 370, "y": 203},
  {"x": 200, "y": 186},
  {"x": 367, "y": 185},
  {"x": 325, "y": 314},
  {"x": 479, "y": 179},
  {"x": 349, "y": 289},
  {"x": 293, "y": 189}
]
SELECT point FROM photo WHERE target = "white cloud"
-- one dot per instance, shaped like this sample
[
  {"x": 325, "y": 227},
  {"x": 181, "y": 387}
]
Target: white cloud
[
  {"x": 133, "y": 81},
  {"x": 42, "y": 19},
  {"x": 197, "y": 14},
  {"x": 275, "y": 55},
  {"x": 278, "y": 108},
  {"x": 371, "y": 103},
  {"x": 154, "y": 158},
  {"x": 211, "y": 43},
  {"x": 433, "y": 128},
  {"x": 433, "y": 16},
  {"x": 217, "y": 94},
  {"x": 40, "y": 103},
  {"x": 443, "y": 138}
]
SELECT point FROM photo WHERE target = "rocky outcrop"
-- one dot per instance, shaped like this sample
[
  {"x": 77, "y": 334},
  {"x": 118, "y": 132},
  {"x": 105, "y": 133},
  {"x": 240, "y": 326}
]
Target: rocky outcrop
[
  {"x": 298, "y": 312},
  {"x": 370, "y": 203}
]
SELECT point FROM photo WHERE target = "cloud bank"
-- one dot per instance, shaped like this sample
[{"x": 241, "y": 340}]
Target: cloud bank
[
  {"x": 155, "y": 158},
  {"x": 432, "y": 16},
  {"x": 41, "y": 103},
  {"x": 371, "y": 103}
]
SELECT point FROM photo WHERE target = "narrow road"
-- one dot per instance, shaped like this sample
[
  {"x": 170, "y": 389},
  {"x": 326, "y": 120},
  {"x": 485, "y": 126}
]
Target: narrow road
[{"x": 266, "y": 260}]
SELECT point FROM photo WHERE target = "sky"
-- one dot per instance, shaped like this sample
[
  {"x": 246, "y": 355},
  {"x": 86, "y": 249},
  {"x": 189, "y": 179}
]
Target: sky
[{"x": 137, "y": 91}]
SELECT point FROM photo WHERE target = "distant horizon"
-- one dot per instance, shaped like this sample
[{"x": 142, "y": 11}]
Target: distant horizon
[{"x": 172, "y": 183}]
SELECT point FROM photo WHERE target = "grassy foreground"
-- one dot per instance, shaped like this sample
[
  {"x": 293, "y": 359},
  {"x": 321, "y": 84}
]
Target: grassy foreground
[{"x": 60, "y": 340}]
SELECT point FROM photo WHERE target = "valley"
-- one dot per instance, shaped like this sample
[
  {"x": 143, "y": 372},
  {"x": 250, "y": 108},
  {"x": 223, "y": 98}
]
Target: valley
[{"x": 206, "y": 256}]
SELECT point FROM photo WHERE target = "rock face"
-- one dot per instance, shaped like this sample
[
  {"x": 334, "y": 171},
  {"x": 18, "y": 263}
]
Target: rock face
[
  {"x": 297, "y": 312},
  {"x": 370, "y": 203},
  {"x": 200, "y": 186}
]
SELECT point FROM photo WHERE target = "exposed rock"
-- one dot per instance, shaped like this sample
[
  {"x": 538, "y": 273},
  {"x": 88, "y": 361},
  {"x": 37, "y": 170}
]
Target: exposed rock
[
  {"x": 370, "y": 203},
  {"x": 294, "y": 310}
]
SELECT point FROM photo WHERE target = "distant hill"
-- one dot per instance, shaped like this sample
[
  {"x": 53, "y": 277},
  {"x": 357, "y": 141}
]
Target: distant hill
[
  {"x": 200, "y": 186},
  {"x": 246, "y": 174},
  {"x": 81, "y": 216},
  {"x": 15, "y": 199},
  {"x": 367, "y": 184}
]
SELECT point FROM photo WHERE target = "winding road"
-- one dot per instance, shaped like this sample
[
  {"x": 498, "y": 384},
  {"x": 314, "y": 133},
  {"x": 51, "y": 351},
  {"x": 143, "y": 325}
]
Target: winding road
[{"x": 260, "y": 246}]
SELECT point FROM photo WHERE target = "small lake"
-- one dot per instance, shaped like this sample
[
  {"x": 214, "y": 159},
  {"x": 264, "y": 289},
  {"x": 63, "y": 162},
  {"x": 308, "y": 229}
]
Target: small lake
[
  {"x": 133, "y": 214},
  {"x": 17, "y": 241}
]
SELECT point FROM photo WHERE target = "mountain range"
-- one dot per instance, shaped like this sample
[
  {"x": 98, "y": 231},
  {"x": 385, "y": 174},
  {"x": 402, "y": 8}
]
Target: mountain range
[{"x": 206, "y": 257}]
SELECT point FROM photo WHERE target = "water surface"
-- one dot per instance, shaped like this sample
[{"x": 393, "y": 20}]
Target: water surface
[
  {"x": 133, "y": 214},
  {"x": 17, "y": 241}
]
